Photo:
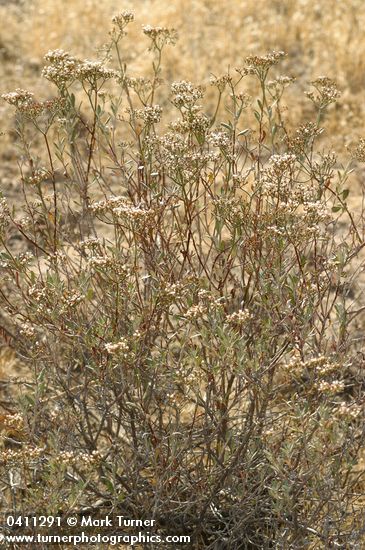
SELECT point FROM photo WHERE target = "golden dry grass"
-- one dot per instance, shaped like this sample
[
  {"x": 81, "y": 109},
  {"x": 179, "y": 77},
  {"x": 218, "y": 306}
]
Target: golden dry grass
[{"x": 320, "y": 37}]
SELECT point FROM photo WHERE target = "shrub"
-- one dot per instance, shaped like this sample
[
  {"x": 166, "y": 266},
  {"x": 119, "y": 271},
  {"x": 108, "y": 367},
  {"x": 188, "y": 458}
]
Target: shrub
[{"x": 184, "y": 307}]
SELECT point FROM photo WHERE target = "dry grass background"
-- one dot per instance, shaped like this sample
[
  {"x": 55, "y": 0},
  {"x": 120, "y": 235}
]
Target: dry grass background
[{"x": 320, "y": 37}]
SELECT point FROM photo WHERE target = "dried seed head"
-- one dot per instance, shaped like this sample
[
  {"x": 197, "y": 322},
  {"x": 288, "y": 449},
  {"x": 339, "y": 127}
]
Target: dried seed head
[
  {"x": 327, "y": 92},
  {"x": 160, "y": 36},
  {"x": 358, "y": 152},
  {"x": 122, "y": 19},
  {"x": 259, "y": 65}
]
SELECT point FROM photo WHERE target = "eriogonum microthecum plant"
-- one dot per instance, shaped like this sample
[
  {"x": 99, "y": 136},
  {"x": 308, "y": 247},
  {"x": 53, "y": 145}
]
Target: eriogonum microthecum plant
[{"x": 184, "y": 305}]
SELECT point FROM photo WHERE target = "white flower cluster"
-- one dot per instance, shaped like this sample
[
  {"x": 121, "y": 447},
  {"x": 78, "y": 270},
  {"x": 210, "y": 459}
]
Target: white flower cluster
[
  {"x": 110, "y": 264},
  {"x": 330, "y": 388},
  {"x": 315, "y": 212},
  {"x": 27, "y": 330},
  {"x": 149, "y": 115},
  {"x": 72, "y": 458},
  {"x": 219, "y": 139},
  {"x": 123, "y": 209},
  {"x": 327, "y": 92},
  {"x": 322, "y": 365},
  {"x": 13, "y": 421},
  {"x": 197, "y": 122},
  {"x": 63, "y": 68},
  {"x": 26, "y": 455},
  {"x": 259, "y": 65},
  {"x": 185, "y": 94},
  {"x": 90, "y": 244},
  {"x": 135, "y": 214},
  {"x": 196, "y": 312},
  {"x": 349, "y": 411},
  {"x": 120, "y": 347},
  {"x": 48, "y": 298},
  {"x": 94, "y": 70},
  {"x": 239, "y": 318},
  {"x": 107, "y": 205},
  {"x": 18, "y": 98},
  {"x": 177, "y": 155}
]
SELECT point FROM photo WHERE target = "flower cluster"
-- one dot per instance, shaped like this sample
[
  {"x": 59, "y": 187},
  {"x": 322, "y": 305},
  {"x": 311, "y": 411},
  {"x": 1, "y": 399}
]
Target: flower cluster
[
  {"x": 314, "y": 213},
  {"x": 177, "y": 155},
  {"x": 48, "y": 299},
  {"x": 28, "y": 107},
  {"x": 220, "y": 81},
  {"x": 109, "y": 264},
  {"x": 239, "y": 318},
  {"x": 244, "y": 99},
  {"x": 295, "y": 206},
  {"x": 281, "y": 163},
  {"x": 135, "y": 215},
  {"x": 26, "y": 455},
  {"x": 173, "y": 291},
  {"x": 196, "y": 312},
  {"x": 277, "y": 85},
  {"x": 320, "y": 370},
  {"x": 64, "y": 69},
  {"x": 326, "y": 92},
  {"x": 72, "y": 458},
  {"x": 160, "y": 36},
  {"x": 213, "y": 303},
  {"x": 120, "y": 348},
  {"x": 124, "y": 211},
  {"x": 107, "y": 205},
  {"x": 185, "y": 94},
  {"x": 122, "y": 19},
  {"x": 260, "y": 65},
  {"x": 38, "y": 176},
  {"x": 27, "y": 330},
  {"x": 219, "y": 139},
  {"x": 197, "y": 123},
  {"x": 348, "y": 411},
  {"x": 71, "y": 299},
  {"x": 149, "y": 115},
  {"x": 277, "y": 179},
  {"x": 303, "y": 137},
  {"x": 61, "y": 69},
  {"x": 4, "y": 214},
  {"x": 330, "y": 388},
  {"x": 141, "y": 85},
  {"x": 19, "y": 99},
  {"x": 92, "y": 71},
  {"x": 208, "y": 303},
  {"x": 358, "y": 152},
  {"x": 90, "y": 245},
  {"x": 13, "y": 422}
]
